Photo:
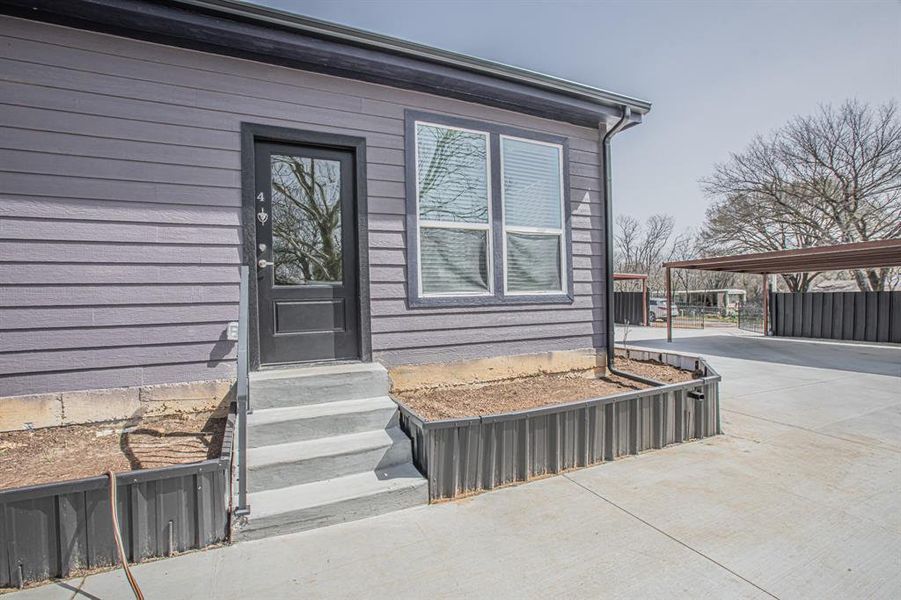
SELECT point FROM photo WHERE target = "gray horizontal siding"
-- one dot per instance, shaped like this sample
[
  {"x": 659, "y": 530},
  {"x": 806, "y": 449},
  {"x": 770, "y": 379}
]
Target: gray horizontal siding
[
  {"x": 13, "y": 228},
  {"x": 120, "y": 202},
  {"x": 89, "y": 375},
  {"x": 71, "y": 210},
  {"x": 35, "y": 318}
]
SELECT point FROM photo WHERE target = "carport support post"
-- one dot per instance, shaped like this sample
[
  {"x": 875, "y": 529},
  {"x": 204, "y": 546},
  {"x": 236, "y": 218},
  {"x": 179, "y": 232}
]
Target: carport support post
[
  {"x": 644, "y": 300},
  {"x": 669, "y": 305},
  {"x": 766, "y": 304}
]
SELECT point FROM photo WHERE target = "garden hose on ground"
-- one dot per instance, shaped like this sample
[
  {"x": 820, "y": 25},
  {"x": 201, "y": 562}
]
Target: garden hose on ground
[{"x": 118, "y": 536}]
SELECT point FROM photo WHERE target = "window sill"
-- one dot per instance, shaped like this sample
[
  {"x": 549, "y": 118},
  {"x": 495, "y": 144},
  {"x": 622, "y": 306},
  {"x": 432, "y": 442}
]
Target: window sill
[{"x": 465, "y": 301}]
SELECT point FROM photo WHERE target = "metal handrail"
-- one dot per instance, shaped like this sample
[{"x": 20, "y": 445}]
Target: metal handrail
[{"x": 243, "y": 391}]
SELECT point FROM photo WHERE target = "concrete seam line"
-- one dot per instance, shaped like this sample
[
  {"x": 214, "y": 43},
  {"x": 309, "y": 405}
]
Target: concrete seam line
[
  {"x": 675, "y": 539},
  {"x": 784, "y": 388},
  {"x": 828, "y": 435}
]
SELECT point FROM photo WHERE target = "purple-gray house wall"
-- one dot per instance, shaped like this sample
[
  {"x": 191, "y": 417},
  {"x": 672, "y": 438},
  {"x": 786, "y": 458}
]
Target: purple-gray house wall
[{"x": 120, "y": 212}]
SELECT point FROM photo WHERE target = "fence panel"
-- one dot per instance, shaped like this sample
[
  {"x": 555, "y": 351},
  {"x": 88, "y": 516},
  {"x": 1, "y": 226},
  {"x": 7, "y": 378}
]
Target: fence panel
[
  {"x": 858, "y": 316},
  {"x": 627, "y": 307},
  {"x": 750, "y": 317}
]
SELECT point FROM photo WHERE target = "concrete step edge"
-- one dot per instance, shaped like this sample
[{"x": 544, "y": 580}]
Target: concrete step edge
[
  {"x": 316, "y": 370},
  {"x": 337, "y": 445},
  {"x": 266, "y": 416},
  {"x": 284, "y": 501}
]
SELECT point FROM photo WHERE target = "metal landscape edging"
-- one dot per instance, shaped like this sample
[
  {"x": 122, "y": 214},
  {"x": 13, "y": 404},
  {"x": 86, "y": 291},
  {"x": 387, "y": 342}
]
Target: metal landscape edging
[
  {"x": 462, "y": 456},
  {"x": 58, "y": 529}
]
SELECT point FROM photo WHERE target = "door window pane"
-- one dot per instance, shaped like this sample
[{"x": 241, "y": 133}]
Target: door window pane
[
  {"x": 453, "y": 260},
  {"x": 306, "y": 220},
  {"x": 533, "y": 262},
  {"x": 452, "y": 174},
  {"x": 531, "y": 184}
]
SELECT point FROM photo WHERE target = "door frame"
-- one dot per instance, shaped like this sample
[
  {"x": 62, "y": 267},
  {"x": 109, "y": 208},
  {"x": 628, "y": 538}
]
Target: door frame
[{"x": 251, "y": 133}]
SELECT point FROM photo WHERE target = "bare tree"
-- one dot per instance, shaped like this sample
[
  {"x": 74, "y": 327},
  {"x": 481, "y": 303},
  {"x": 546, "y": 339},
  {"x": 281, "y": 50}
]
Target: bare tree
[
  {"x": 832, "y": 177},
  {"x": 641, "y": 248},
  {"x": 689, "y": 245},
  {"x": 745, "y": 224}
]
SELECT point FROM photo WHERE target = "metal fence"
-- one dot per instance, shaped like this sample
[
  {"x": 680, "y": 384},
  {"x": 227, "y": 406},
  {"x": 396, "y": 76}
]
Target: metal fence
[
  {"x": 750, "y": 317},
  {"x": 859, "y": 316},
  {"x": 699, "y": 317},
  {"x": 627, "y": 308}
]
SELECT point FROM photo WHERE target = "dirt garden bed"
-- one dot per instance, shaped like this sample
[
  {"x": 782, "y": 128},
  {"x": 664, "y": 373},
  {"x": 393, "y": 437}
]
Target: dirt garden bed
[
  {"x": 173, "y": 480},
  {"x": 523, "y": 393},
  {"x": 78, "y": 451},
  {"x": 471, "y": 438}
]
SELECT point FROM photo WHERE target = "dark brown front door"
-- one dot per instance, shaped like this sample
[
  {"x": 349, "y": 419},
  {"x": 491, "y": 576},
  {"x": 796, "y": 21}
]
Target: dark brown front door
[{"x": 306, "y": 248}]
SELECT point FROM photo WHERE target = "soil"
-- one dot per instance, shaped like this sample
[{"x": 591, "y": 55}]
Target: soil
[
  {"x": 76, "y": 451},
  {"x": 652, "y": 369},
  {"x": 522, "y": 393}
]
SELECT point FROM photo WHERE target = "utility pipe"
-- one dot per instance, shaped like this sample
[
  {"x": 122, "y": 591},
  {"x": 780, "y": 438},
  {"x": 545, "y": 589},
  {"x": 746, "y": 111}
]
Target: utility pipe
[{"x": 608, "y": 227}]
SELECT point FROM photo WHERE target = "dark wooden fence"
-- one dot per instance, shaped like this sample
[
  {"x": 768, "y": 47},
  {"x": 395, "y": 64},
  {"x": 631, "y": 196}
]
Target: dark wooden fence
[
  {"x": 627, "y": 307},
  {"x": 859, "y": 316}
]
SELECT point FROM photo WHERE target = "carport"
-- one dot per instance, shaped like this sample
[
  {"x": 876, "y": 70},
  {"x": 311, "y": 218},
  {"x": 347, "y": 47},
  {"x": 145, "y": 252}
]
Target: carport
[{"x": 859, "y": 255}]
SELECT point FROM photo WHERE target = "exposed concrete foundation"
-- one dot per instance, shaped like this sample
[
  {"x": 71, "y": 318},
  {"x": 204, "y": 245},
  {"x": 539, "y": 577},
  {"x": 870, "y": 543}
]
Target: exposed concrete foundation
[
  {"x": 113, "y": 404},
  {"x": 412, "y": 377}
]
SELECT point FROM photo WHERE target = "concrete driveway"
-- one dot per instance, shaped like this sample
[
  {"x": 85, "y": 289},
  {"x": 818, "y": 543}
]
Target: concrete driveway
[{"x": 799, "y": 499}]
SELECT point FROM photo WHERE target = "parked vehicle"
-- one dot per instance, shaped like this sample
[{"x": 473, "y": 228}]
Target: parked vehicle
[{"x": 657, "y": 309}]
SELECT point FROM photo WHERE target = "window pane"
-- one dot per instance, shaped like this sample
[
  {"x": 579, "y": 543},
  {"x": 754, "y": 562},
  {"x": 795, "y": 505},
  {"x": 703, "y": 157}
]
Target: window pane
[
  {"x": 306, "y": 220},
  {"x": 453, "y": 260},
  {"x": 452, "y": 175},
  {"x": 533, "y": 263},
  {"x": 531, "y": 184}
]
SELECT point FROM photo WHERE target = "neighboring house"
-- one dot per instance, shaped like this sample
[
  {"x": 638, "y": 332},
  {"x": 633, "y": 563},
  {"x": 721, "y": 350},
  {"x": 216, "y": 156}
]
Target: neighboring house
[
  {"x": 893, "y": 282},
  {"x": 396, "y": 203},
  {"x": 724, "y": 298}
]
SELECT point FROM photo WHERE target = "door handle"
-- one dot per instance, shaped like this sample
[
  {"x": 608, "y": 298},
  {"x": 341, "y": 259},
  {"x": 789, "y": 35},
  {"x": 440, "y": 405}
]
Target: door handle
[{"x": 263, "y": 263}]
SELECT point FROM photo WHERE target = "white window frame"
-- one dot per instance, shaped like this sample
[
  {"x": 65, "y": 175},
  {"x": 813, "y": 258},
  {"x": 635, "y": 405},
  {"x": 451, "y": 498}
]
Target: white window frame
[
  {"x": 487, "y": 227},
  {"x": 560, "y": 233}
]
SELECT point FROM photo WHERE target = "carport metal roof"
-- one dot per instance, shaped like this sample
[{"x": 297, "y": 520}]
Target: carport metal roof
[{"x": 860, "y": 255}]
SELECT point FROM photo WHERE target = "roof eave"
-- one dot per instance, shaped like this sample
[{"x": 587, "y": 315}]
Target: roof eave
[
  {"x": 262, "y": 34},
  {"x": 356, "y": 36}
]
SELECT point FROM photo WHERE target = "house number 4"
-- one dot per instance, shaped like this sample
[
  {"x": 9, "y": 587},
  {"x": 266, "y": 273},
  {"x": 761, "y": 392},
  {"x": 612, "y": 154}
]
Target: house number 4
[{"x": 261, "y": 197}]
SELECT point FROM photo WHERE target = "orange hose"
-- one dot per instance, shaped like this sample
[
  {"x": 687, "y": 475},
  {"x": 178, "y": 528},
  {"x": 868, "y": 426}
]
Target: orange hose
[{"x": 118, "y": 536}]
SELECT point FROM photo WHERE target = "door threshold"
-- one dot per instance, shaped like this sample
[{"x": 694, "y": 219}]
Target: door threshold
[{"x": 317, "y": 363}]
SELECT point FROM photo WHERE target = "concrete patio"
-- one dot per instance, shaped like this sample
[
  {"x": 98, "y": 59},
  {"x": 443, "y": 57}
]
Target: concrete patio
[{"x": 799, "y": 499}]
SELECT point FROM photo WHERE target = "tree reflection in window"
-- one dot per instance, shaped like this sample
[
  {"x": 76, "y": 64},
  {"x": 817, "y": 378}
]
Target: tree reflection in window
[
  {"x": 452, "y": 176},
  {"x": 306, "y": 220}
]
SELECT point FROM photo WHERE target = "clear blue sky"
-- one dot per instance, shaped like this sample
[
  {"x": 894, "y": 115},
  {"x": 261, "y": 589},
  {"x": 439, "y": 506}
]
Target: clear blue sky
[{"x": 716, "y": 72}]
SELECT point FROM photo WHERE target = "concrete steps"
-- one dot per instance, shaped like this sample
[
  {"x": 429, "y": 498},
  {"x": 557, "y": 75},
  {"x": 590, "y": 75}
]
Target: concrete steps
[
  {"x": 285, "y": 465},
  {"x": 321, "y": 503},
  {"x": 270, "y": 426},
  {"x": 300, "y": 386},
  {"x": 324, "y": 448}
]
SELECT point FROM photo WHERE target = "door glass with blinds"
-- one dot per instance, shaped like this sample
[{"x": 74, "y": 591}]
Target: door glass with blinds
[
  {"x": 532, "y": 193},
  {"x": 454, "y": 211}
]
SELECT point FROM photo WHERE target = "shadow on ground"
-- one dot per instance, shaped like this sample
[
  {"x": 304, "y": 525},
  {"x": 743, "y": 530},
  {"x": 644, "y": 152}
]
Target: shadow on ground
[{"x": 858, "y": 358}]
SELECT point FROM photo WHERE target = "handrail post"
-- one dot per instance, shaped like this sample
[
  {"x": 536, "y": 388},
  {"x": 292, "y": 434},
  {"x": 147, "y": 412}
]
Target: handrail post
[{"x": 243, "y": 391}]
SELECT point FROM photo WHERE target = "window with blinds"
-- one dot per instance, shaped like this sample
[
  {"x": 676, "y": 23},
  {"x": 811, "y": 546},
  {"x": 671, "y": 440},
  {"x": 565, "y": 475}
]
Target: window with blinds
[
  {"x": 490, "y": 207},
  {"x": 454, "y": 209},
  {"x": 532, "y": 191}
]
